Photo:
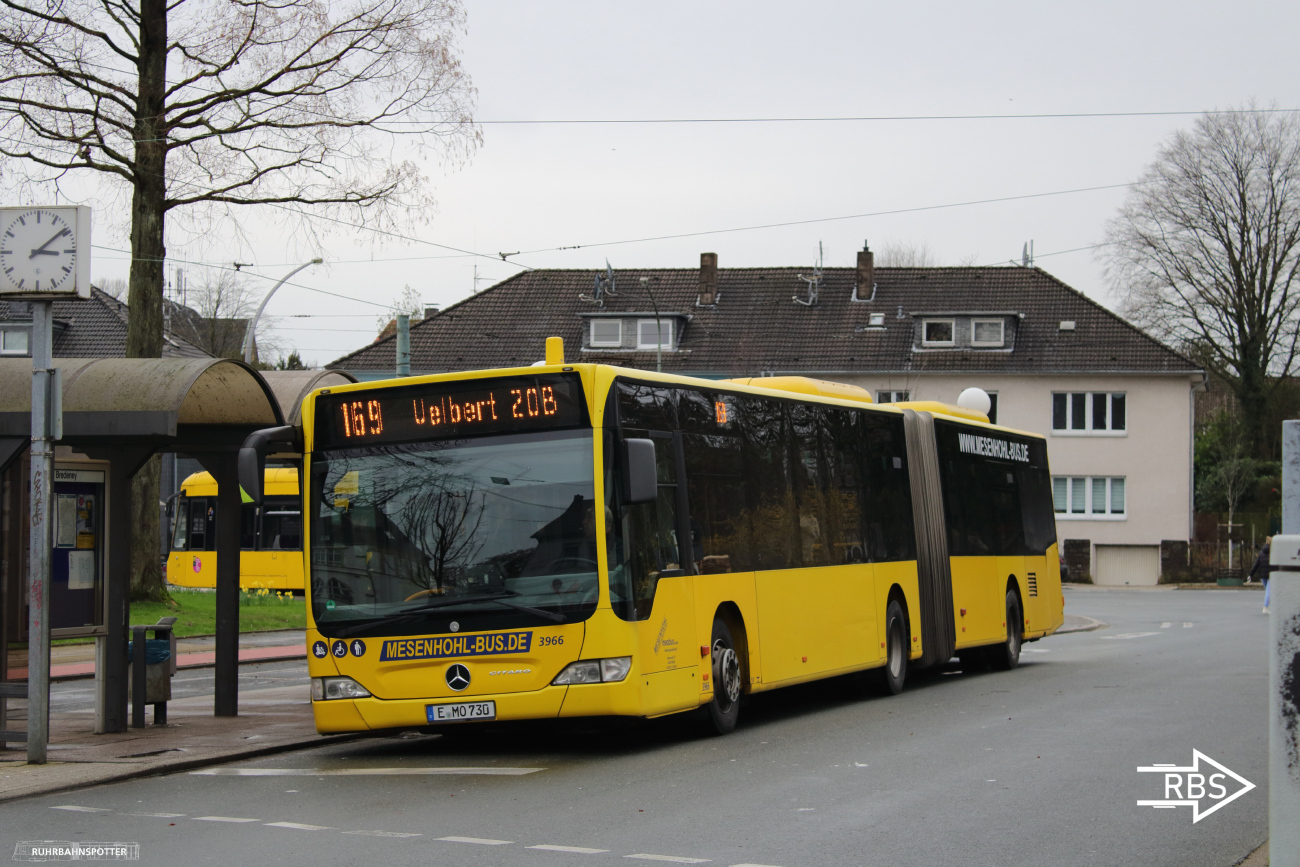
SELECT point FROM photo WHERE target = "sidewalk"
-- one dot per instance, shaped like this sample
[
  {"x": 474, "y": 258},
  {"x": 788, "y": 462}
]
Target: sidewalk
[
  {"x": 68, "y": 662},
  {"x": 271, "y": 720}
]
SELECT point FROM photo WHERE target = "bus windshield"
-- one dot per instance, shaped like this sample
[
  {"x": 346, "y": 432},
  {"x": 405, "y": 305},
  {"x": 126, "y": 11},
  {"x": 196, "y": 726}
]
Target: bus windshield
[{"x": 471, "y": 533}]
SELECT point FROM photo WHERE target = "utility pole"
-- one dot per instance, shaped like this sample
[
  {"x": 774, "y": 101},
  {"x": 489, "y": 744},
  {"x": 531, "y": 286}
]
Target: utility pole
[
  {"x": 403, "y": 344},
  {"x": 47, "y": 423}
]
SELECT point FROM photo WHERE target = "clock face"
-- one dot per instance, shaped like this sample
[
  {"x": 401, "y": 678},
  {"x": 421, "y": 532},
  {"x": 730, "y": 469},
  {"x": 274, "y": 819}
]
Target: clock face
[{"x": 38, "y": 249}]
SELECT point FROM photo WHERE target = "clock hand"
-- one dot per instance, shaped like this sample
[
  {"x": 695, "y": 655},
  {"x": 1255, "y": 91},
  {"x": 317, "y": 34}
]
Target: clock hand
[{"x": 41, "y": 251}]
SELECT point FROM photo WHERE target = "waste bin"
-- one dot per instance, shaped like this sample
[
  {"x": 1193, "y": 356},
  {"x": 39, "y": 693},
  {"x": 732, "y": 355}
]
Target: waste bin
[{"x": 150, "y": 673}]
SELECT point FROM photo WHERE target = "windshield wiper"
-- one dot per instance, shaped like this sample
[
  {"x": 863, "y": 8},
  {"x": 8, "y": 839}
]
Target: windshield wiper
[{"x": 413, "y": 613}]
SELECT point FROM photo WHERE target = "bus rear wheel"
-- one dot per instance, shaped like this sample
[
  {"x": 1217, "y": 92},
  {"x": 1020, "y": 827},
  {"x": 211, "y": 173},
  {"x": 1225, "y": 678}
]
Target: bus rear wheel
[
  {"x": 894, "y": 674},
  {"x": 1006, "y": 656},
  {"x": 724, "y": 709}
]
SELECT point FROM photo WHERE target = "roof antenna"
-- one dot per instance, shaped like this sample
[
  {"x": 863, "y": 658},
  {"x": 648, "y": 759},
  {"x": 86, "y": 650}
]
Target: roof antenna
[
  {"x": 602, "y": 286},
  {"x": 1026, "y": 255},
  {"x": 814, "y": 282}
]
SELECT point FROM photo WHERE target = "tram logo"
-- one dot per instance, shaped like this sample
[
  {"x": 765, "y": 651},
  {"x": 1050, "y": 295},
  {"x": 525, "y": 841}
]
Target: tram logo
[
  {"x": 1198, "y": 785},
  {"x": 457, "y": 677}
]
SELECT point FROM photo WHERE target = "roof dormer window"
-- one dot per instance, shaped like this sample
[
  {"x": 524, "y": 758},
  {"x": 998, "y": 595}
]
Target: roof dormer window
[
  {"x": 987, "y": 333},
  {"x": 654, "y": 334},
  {"x": 606, "y": 332},
  {"x": 937, "y": 332}
]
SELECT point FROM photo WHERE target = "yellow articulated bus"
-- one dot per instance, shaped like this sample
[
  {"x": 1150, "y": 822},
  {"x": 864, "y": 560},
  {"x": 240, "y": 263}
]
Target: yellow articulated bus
[
  {"x": 583, "y": 540},
  {"x": 270, "y": 535}
]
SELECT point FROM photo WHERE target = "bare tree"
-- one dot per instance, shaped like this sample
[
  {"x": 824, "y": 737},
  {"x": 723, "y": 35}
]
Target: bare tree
[
  {"x": 198, "y": 106},
  {"x": 113, "y": 286},
  {"x": 1205, "y": 251},
  {"x": 216, "y": 314},
  {"x": 906, "y": 254}
]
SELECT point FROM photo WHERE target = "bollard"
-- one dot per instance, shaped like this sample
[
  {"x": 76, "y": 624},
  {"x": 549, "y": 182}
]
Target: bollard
[{"x": 1284, "y": 665}]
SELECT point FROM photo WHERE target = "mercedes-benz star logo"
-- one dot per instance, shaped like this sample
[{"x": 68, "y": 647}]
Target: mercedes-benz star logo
[{"x": 458, "y": 677}]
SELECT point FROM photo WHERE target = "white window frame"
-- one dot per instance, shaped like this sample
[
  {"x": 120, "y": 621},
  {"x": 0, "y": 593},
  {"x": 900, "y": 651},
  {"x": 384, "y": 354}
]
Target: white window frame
[
  {"x": 992, "y": 344},
  {"x": 5, "y": 350},
  {"x": 1088, "y": 483},
  {"x": 1089, "y": 399},
  {"x": 952, "y": 329},
  {"x": 591, "y": 333},
  {"x": 667, "y": 326},
  {"x": 893, "y": 395},
  {"x": 876, "y": 320}
]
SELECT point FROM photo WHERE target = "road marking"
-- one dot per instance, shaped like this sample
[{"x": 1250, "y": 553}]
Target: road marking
[
  {"x": 222, "y": 819},
  {"x": 156, "y": 815},
  {"x": 577, "y": 850},
  {"x": 361, "y": 772},
  {"x": 75, "y": 809},
  {"x": 382, "y": 834},
  {"x": 299, "y": 827},
  {"x": 479, "y": 840},
  {"x": 1166, "y": 625},
  {"x": 753, "y": 865},
  {"x": 672, "y": 858},
  {"x": 1187, "y": 625},
  {"x": 1127, "y": 635}
]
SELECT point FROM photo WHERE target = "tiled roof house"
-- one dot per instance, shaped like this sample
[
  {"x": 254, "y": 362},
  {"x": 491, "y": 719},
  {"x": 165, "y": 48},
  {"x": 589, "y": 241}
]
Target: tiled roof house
[
  {"x": 93, "y": 327},
  {"x": 1115, "y": 403}
]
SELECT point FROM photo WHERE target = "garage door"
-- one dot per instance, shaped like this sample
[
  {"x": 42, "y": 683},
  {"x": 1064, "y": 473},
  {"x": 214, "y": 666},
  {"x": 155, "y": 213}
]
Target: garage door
[{"x": 1128, "y": 564}]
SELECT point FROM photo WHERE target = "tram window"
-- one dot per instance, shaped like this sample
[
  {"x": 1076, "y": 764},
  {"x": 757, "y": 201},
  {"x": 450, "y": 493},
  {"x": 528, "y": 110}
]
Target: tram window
[
  {"x": 281, "y": 524},
  {"x": 247, "y": 527},
  {"x": 180, "y": 533},
  {"x": 199, "y": 518}
]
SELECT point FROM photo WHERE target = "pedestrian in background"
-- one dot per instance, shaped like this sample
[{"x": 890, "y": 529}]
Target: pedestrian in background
[{"x": 1262, "y": 569}]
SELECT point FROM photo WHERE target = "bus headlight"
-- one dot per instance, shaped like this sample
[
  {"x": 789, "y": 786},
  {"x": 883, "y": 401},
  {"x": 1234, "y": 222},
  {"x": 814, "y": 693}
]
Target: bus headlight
[
  {"x": 327, "y": 688},
  {"x": 594, "y": 671}
]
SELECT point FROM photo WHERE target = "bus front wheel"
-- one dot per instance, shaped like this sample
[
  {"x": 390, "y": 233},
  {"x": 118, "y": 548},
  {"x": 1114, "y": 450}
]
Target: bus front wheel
[
  {"x": 724, "y": 709},
  {"x": 895, "y": 672},
  {"x": 1007, "y": 655}
]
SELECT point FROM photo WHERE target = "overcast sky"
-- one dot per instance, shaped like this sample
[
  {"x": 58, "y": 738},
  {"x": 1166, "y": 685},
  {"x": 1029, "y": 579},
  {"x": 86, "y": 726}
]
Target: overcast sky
[{"x": 538, "y": 187}]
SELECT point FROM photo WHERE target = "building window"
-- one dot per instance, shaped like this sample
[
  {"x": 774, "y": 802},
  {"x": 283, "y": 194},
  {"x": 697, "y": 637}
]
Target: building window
[
  {"x": 608, "y": 332},
  {"x": 993, "y": 407},
  {"x": 876, "y": 320},
  {"x": 1099, "y": 497},
  {"x": 986, "y": 332},
  {"x": 14, "y": 342},
  {"x": 1085, "y": 412},
  {"x": 646, "y": 334},
  {"x": 892, "y": 396},
  {"x": 937, "y": 332}
]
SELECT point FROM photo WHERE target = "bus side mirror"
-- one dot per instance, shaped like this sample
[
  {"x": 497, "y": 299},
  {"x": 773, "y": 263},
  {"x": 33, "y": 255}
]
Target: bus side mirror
[
  {"x": 251, "y": 462},
  {"x": 640, "y": 478},
  {"x": 250, "y": 474}
]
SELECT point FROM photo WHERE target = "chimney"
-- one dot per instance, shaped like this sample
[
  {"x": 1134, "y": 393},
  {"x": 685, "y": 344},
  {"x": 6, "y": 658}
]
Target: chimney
[
  {"x": 708, "y": 280},
  {"x": 865, "y": 288},
  {"x": 431, "y": 311}
]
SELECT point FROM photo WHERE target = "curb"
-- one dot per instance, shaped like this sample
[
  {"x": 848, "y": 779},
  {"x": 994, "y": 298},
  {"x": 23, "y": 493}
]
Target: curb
[
  {"x": 1086, "y": 627},
  {"x": 185, "y": 765}
]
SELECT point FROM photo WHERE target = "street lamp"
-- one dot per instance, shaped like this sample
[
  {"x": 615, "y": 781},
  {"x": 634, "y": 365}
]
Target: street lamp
[{"x": 252, "y": 325}]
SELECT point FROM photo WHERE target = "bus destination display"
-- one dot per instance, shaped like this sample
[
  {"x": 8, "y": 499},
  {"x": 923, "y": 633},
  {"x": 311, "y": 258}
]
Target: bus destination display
[{"x": 437, "y": 410}]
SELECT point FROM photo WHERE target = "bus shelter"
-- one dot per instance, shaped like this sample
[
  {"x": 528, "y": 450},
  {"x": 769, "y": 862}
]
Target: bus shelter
[{"x": 117, "y": 412}]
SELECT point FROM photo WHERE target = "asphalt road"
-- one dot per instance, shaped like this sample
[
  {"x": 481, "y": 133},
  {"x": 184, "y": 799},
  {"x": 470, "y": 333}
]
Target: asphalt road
[{"x": 1036, "y": 766}]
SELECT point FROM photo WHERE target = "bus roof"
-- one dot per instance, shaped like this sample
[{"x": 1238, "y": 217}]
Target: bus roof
[{"x": 284, "y": 480}]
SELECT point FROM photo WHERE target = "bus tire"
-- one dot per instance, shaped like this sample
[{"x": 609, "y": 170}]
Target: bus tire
[
  {"x": 724, "y": 709},
  {"x": 894, "y": 674},
  {"x": 1006, "y": 656}
]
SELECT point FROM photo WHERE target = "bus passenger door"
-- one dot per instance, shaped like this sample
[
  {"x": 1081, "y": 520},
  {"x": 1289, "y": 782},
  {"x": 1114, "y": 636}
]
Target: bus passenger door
[{"x": 669, "y": 653}]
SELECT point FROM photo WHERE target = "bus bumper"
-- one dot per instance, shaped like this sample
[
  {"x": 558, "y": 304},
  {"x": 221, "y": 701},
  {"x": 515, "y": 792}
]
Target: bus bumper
[{"x": 370, "y": 714}]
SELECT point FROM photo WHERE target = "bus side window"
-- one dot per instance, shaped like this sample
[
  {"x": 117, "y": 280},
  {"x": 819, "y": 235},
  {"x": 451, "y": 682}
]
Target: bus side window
[
  {"x": 1036, "y": 501},
  {"x": 650, "y": 531},
  {"x": 180, "y": 533},
  {"x": 717, "y": 495}
]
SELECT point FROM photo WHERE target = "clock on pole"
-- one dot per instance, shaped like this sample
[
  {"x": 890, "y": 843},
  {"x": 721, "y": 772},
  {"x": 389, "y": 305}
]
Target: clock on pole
[
  {"x": 45, "y": 252},
  {"x": 44, "y": 256}
]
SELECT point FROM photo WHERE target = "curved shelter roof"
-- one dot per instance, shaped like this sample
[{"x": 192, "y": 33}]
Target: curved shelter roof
[
  {"x": 181, "y": 403},
  {"x": 292, "y": 386}
]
